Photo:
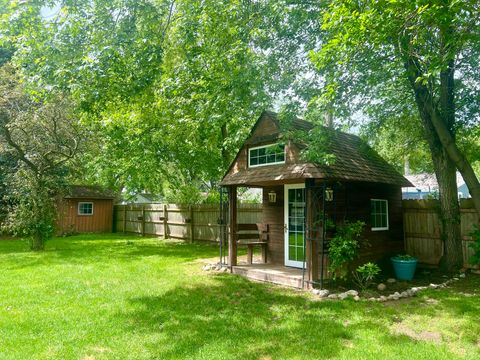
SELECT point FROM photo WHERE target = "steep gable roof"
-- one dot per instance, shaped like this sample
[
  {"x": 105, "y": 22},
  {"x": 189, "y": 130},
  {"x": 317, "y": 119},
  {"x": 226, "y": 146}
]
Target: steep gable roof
[{"x": 354, "y": 160}]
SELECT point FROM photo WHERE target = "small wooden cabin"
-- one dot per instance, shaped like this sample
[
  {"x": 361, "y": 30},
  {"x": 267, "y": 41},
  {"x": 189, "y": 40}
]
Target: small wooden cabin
[
  {"x": 85, "y": 209},
  {"x": 300, "y": 198}
]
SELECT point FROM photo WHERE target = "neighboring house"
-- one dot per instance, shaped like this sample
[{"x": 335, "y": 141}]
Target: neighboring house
[
  {"x": 85, "y": 209},
  {"x": 426, "y": 186},
  {"x": 299, "y": 198}
]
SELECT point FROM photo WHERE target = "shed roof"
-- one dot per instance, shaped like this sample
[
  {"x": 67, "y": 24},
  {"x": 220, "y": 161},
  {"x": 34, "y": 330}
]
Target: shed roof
[
  {"x": 354, "y": 161},
  {"x": 88, "y": 192}
]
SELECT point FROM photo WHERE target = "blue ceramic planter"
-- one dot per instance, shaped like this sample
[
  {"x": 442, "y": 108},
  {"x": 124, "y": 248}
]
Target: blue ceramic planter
[{"x": 404, "y": 269}]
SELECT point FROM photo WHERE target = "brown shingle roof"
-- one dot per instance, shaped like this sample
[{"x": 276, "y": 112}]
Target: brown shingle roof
[
  {"x": 88, "y": 192},
  {"x": 354, "y": 161}
]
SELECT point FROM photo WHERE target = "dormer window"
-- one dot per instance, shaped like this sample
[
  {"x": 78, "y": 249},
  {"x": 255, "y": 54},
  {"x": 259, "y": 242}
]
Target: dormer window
[{"x": 266, "y": 155}]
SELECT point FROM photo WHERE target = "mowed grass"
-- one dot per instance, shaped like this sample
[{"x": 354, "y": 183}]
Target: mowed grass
[{"x": 124, "y": 297}]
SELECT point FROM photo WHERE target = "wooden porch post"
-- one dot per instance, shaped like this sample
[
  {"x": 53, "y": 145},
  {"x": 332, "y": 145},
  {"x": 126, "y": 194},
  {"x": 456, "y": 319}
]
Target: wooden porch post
[
  {"x": 311, "y": 245},
  {"x": 232, "y": 234}
]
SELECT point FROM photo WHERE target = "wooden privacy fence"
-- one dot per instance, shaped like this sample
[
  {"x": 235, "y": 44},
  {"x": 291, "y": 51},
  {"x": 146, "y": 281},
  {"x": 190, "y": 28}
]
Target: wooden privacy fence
[
  {"x": 422, "y": 229},
  {"x": 192, "y": 223}
]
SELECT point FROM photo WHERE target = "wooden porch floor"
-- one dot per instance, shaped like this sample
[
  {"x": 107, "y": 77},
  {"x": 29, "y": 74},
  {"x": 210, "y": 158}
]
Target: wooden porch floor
[{"x": 276, "y": 274}]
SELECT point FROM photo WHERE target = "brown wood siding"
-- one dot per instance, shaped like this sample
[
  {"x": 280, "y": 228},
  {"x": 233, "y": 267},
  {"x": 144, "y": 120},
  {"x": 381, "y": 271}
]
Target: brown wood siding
[
  {"x": 100, "y": 221},
  {"x": 273, "y": 215},
  {"x": 381, "y": 243},
  {"x": 266, "y": 133},
  {"x": 352, "y": 202}
]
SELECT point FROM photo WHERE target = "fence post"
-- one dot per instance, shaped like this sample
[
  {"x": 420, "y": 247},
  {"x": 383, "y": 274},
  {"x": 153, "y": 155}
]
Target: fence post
[
  {"x": 143, "y": 220},
  {"x": 190, "y": 211},
  {"x": 125, "y": 218},
  {"x": 165, "y": 222}
]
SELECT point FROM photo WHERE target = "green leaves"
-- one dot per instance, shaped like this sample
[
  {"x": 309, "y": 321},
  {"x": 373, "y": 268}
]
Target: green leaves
[{"x": 344, "y": 246}]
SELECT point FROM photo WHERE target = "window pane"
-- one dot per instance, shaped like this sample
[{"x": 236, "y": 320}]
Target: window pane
[
  {"x": 269, "y": 154},
  {"x": 291, "y": 253},
  {"x": 300, "y": 253},
  {"x": 384, "y": 220},
  {"x": 85, "y": 208}
]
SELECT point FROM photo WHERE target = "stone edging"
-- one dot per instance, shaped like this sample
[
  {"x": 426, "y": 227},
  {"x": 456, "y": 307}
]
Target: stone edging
[{"x": 325, "y": 294}]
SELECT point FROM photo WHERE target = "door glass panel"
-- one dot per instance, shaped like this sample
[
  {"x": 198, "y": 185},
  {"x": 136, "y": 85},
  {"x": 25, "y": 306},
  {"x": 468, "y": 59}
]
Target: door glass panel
[{"x": 296, "y": 224}]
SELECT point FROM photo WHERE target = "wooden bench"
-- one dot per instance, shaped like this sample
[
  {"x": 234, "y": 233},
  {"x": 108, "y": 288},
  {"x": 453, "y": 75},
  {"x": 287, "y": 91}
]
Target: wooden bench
[{"x": 251, "y": 235}]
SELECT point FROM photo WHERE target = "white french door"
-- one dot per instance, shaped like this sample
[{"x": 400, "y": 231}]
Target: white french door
[{"x": 294, "y": 224}]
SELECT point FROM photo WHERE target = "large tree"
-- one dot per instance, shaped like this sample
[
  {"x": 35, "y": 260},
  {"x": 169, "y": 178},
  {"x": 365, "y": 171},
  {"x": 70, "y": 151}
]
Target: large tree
[
  {"x": 39, "y": 138},
  {"x": 390, "y": 57}
]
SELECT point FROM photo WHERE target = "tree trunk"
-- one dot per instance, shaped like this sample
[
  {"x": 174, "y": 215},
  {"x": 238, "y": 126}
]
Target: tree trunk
[
  {"x": 37, "y": 242},
  {"x": 459, "y": 160},
  {"x": 450, "y": 211},
  {"x": 445, "y": 171}
]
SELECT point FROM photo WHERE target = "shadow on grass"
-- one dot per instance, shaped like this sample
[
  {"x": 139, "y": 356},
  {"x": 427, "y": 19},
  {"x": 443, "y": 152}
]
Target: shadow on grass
[{"x": 233, "y": 318}]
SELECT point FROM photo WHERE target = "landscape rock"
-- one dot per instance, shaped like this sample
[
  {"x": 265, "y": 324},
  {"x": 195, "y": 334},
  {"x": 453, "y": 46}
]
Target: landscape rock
[
  {"x": 395, "y": 296},
  {"x": 225, "y": 269},
  {"x": 323, "y": 293},
  {"x": 462, "y": 275},
  {"x": 476, "y": 272},
  {"x": 391, "y": 281},
  {"x": 352, "y": 293},
  {"x": 382, "y": 298},
  {"x": 333, "y": 296},
  {"x": 456, "y": 279},
  {"x": 381, "y": 287},
  {"x": 315, "y": 291},
  {"x": 373, "y": 299},
  {"x": 342, "y": 296},
  {"x": 433, "y": 286},
  {"x": 356, "y": 298}
]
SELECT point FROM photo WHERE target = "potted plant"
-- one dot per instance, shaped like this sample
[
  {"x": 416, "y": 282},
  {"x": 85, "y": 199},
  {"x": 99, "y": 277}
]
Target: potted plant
[{"x": 404, "y": 266}]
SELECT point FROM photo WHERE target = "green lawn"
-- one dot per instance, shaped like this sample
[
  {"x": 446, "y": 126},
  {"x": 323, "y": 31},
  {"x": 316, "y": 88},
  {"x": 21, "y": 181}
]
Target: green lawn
[{"x": 122, "y": 297}]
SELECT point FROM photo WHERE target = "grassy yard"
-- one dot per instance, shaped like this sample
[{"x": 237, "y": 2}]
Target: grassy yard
[{"x": 122, "y": 297}]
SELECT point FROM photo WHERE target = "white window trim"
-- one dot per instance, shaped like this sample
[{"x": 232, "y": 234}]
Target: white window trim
[
  {"x": 388, "y": 217},
  {"x": 266, "y": 146},
  {"x": 81, "y": 203}
]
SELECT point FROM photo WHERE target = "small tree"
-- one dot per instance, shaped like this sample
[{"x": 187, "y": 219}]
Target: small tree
[{"x": 42, "y": 137}]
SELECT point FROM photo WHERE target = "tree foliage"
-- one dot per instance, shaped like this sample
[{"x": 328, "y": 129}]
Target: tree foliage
[
  {"x": 39, "y": 139},
  {"x": 170, "y": 87}
]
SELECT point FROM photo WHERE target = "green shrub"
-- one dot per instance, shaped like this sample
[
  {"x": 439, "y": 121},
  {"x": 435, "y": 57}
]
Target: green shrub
[
  {"x": 404, "y": 257},
  {"x": 365, "y": 274},
  {"x": 344, "y": 247}
]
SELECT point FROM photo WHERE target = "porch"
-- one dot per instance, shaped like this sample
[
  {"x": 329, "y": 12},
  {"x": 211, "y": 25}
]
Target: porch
[
  {"x": 292, "y": 248},
  {"x": 272, "y": 273}
]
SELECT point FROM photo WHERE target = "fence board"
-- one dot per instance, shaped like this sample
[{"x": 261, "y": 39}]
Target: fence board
[
  {"x": 422, "y": 229},
  {"x": 198, "y": 222}
]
